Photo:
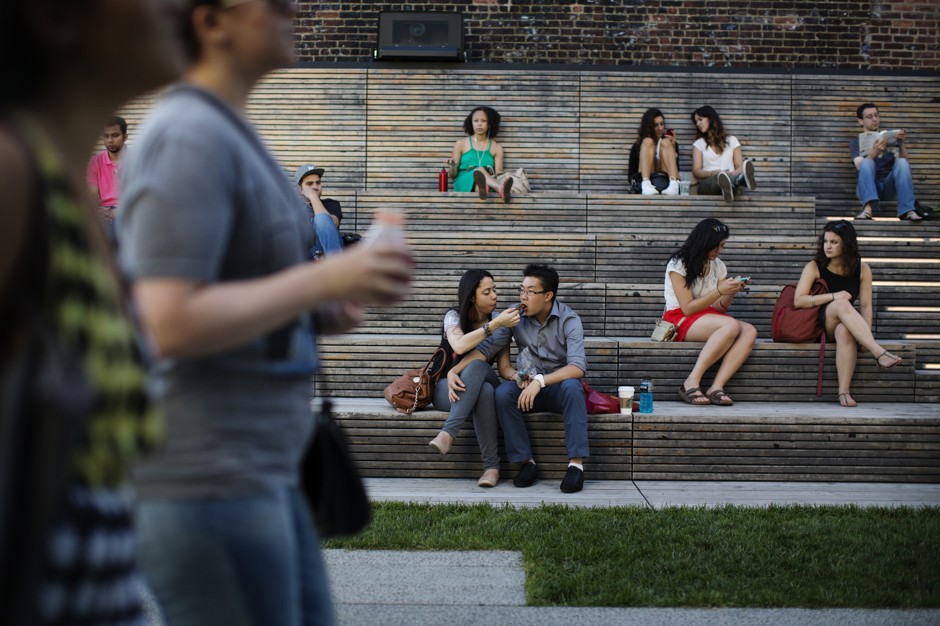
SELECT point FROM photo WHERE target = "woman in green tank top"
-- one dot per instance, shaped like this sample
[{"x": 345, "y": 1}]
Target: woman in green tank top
[{"x": 478, "y": 160}]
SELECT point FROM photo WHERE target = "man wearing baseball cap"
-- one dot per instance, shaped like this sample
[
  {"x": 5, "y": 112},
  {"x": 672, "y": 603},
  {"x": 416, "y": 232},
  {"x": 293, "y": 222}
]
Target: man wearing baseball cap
[{"x": 326, "y": 213}]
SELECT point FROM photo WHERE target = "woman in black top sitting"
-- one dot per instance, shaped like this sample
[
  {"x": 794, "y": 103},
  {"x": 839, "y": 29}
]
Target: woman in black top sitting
[{"x": 838, "y": 263}]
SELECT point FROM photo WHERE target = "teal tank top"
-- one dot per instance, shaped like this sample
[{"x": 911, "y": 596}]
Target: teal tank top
[{"x": 470, "y": 161}]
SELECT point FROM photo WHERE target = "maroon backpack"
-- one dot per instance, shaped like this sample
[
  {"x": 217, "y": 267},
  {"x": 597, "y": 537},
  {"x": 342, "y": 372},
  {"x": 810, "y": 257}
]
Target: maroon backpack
[{"x": 793, "y": 325}]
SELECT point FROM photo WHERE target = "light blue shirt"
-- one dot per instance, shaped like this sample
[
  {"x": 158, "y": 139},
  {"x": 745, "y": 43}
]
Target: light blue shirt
[{"x": 557, "y": 343}]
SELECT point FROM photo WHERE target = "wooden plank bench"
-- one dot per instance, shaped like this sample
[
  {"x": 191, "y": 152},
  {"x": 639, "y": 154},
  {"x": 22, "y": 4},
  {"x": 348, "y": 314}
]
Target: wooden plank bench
[
  {"x": 773, "y": 372},
  {"x": 752, "y": 107},
  {"x": 774, "y": 218},
  {"x": 823, "y": 117},
  {"x": 388, "y": 444},
  {"x": 415, "y": 116},
  {"x": 504, "y": 254},
  {"x": 423, "y": 311},
  {"x": 749, "y": 441},
  {"x": 634, "y": 259},
  {"x": 452, "y": 212},
  {"x": 363, "y": 365},
  {"x": 908, "y": 313},
  {"x": 866, "y": 443},
  {"x": 391, "y": 128}
]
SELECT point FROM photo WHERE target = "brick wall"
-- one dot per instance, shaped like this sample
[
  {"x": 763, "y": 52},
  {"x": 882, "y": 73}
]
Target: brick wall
[{"x": 844, "y": 34}]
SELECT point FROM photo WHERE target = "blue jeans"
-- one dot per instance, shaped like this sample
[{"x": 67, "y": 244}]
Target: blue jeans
[
  {"x": 566, "y": 397},
  {"x": 246, "y": 561},
  {"x": 480, "y": 382},
  {"x": 328, "y": 240},
  {"x": 898, "y": 184}
]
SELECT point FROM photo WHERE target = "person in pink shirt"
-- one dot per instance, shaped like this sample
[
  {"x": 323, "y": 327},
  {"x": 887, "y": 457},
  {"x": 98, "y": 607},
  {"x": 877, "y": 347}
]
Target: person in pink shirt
[{"x": 102, "y": 172}]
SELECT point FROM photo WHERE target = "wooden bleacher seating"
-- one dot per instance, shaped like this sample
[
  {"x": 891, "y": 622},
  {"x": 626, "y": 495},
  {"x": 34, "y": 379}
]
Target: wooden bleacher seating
[{"x": 382, "y": 134}]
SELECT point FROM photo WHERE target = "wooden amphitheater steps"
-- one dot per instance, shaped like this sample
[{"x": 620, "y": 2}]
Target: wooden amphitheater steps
[{"x": 749, "y": 441}]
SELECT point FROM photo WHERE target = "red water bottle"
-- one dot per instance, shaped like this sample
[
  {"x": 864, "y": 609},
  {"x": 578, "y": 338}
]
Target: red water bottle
[{"x": 442, "y": 180}]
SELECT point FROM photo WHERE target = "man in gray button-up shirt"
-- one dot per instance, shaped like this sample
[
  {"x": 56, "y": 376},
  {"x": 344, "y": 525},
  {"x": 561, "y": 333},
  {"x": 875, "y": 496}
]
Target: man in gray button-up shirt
[{"x": 554, "y": 336}]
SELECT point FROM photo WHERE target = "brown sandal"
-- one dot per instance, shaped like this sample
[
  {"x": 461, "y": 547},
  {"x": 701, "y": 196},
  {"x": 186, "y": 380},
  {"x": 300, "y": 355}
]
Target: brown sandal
[
  {"x": 506, "y": 190},
  {"x": 479, "y": 180},
  {"x": 716, "y": 398},
  {"x": 693, "y": 396},
  {"x": 896, "y": 360}
]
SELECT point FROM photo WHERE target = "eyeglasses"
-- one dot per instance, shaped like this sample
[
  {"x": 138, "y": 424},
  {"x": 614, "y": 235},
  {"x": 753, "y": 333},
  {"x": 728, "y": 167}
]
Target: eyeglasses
[{"x": 529, "y": 292}]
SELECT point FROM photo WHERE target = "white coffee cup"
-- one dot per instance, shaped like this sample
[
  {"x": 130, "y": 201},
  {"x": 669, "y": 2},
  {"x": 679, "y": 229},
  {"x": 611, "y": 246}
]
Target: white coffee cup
[{"x": 626, "y": 400}]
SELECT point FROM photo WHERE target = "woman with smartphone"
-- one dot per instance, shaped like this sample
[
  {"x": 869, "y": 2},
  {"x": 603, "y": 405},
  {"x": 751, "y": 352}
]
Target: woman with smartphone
[
  {"x": 698, "y": 295},
  {"x": 838, "y": 263},
  {"x": 654, "y": 162},
  {"x": 465, "y": 327},
  {"x": 717, "y": 161}
]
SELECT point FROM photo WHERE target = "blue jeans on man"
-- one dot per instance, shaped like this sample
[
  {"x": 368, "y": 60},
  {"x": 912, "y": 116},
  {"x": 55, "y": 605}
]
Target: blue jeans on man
[
  {"x": 566, "y": 397},
  {"x": 899, "y": 183},
  {"x": 328, "y": 239}
]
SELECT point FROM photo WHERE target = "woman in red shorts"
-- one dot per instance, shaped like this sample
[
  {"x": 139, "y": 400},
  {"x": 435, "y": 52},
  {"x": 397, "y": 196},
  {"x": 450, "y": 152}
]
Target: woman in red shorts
[{"x": 698, "y": 295}]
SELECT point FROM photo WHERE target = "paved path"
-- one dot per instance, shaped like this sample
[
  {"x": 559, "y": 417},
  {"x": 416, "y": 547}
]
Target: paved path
[
  {"x": 655, "y": 493},
  {"x": 454, "y": 588}
]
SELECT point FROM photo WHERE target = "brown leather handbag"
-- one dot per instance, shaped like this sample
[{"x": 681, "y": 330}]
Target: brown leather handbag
[{"x": 414, "y": 389}]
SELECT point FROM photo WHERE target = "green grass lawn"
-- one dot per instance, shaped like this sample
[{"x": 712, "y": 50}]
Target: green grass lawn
[{"x": 794, "y": 556}]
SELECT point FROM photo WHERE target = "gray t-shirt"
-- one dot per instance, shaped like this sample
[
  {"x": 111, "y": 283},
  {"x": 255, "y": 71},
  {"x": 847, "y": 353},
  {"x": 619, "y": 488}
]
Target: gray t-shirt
[{"x": 205, "y": 201}]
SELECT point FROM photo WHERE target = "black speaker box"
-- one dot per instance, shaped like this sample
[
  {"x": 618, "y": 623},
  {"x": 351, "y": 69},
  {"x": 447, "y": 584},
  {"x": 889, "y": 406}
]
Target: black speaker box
[{"x": 424, "y": 36}]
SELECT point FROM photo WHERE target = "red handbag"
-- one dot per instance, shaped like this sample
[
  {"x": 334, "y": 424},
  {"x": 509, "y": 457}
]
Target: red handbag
[{"x": 599, "y": 403}]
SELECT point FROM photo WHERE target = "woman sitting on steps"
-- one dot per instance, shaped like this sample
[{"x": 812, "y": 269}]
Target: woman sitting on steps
[
  {"x": 838, "y": 263},
  {"x": 478, "y": 160},
  {"x": 698, "y": 294},
  {"x": 465, "y": 327}
]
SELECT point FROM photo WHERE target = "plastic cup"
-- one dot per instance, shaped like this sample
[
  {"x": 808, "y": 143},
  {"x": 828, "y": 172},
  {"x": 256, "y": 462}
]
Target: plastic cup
[{"x": 685, "y": 187}]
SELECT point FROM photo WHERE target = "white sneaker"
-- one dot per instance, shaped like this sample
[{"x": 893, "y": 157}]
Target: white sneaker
[
  {"x": 648, "y": 189},
  {"x": 672, "y": 189},
  {"x": 727, "y": 187},
  {"x": 749, "y": 178}
]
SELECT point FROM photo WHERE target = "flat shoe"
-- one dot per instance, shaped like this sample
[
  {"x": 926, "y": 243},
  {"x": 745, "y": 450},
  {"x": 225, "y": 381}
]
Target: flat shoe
[
  {"x": 489, "y": 478},
  {"x": 864, "y": 216},
  {"x": 693, "y": 396},
  {"x": 507, "y": 189},
  {"x": 911, "y": 216},
  {"x": 479, "y": 179},
  {"x": 441, "y": 443},
  {"x": 573, "y": 482},
  {"x": 720, "y": 398}
]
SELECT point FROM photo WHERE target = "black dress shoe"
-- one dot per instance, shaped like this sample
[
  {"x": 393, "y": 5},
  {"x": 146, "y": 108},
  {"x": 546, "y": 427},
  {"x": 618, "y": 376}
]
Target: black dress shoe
[
  {"x": 573, "y": 481},
  {"x": 926, "y": 212},
  {"x": 526, "y": 476}
]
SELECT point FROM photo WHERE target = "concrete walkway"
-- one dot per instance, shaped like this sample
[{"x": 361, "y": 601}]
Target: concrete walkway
[
  {"x": 425, "y": 588},
  {"x": 655, "y": 494}
]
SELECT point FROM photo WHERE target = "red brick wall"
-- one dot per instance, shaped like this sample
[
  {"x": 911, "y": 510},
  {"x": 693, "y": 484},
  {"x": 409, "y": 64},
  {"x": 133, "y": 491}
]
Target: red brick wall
[{"x": 844, "y": 34}]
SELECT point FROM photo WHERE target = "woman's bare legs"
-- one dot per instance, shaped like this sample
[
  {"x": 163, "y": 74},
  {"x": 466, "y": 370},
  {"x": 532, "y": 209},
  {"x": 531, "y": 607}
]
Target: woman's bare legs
[
  {"x": 668, "y": 160},
  {"x": 724, "y": 337},
  {"x": 840, "y": 314},
  {"x": 647, "y": 157},
  {"x": 846, "y": 356}
]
